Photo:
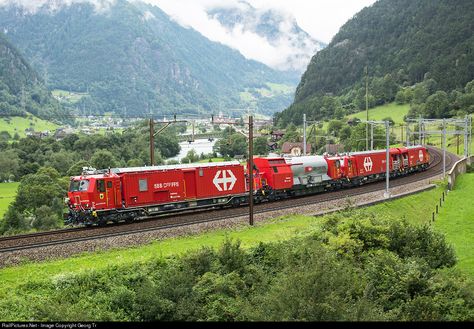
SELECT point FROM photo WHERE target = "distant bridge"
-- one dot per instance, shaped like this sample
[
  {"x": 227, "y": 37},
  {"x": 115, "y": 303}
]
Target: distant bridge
[{"x": 191, "y": 137}]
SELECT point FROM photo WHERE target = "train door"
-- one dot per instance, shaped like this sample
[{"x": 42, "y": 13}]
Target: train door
[
  {"x": 106, "y": 191},
  {"x": 190, "y": 182}
]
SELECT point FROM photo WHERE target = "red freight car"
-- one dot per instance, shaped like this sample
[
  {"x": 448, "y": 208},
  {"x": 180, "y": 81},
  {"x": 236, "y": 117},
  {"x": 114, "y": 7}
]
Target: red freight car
[
  {"x": 372, "y": 162},
  {"x": 128, "y": 192},
  {"x": 155, "y": 185}
]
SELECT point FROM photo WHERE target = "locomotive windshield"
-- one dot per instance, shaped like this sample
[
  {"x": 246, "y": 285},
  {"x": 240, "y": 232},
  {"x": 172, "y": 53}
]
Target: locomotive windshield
[{"x": 79, "y": 185}]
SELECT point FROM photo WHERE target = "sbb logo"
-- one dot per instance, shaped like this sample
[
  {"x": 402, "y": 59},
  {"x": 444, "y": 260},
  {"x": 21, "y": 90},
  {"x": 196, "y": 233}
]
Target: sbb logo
[
  {"x": 222, "y": 181},
  {"x": 368, "y": 164}
]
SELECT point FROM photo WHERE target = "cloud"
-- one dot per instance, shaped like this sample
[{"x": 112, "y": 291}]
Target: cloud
[
  {"x": 283, "y": 53},
  {"x": 32, "y": 6}
]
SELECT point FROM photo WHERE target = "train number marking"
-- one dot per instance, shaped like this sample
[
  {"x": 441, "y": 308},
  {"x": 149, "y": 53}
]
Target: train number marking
[
  {"x": 221, "y": 180},
  {"x": 368, "y": 164}
]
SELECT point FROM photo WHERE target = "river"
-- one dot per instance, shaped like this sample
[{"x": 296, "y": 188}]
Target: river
[{"x": 199, "y": 146}]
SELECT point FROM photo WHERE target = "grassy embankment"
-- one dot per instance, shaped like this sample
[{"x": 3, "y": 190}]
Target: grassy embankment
[
  {"x": 7, "y": 195},
  {"x": 456, "y": 220},
  {"x": 416, "y": 208}
]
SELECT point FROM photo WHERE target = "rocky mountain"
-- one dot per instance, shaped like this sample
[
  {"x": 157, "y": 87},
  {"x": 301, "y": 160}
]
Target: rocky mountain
[
  {"x": 21, "y": 90},
  {"x": 130, "y": 57},
  {"x": 278, "y": 28}
]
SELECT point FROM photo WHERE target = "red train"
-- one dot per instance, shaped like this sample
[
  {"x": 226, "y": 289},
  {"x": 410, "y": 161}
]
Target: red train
[{"x": 124, "y": 194}]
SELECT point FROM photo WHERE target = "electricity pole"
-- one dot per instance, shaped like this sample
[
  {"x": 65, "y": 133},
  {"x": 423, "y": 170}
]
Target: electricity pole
[
  {"x": 367, "y": 108},
  {"x": 250, "y": 169},
  {"x": 153, "y": 134},
  {"x": 304, "y": 134},
  {"x": 152, "y": 143},
  {"x": 444, "y": 148},
  {"x": 250, "y": 164},
  {"x": 387, "y": 192}
]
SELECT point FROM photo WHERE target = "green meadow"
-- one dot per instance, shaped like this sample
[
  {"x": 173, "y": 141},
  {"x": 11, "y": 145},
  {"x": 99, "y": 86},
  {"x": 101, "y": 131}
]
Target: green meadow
[
  {"x": 7, "y": 195},
  {"x": 18, "y": 125}
]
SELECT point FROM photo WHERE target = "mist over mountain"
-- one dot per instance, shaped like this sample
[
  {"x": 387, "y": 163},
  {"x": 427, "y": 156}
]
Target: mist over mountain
[
  {"x": 293, "y": 47},
  {"x": 130, "y": 57}
]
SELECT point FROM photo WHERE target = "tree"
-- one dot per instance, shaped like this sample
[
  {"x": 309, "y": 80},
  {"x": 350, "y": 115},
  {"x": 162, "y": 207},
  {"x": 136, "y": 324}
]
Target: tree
[
  {"x": 9, "y": 163},
  {"x": 260, "y": 146},
  {"x": 103, "y": 159},
  {"x": 437, "y": 105},
  {"x": 190, "y": 157},
  {"x": 76, "y": 169},
  {"x": 235, "y": 144}
]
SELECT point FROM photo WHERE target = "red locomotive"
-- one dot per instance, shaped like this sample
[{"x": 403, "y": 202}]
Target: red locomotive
[{"x": 124, "y": 194}]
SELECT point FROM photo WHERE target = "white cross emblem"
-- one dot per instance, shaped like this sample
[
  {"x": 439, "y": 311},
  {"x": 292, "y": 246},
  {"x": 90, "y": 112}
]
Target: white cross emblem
[
  {"x": 368, "y": 164},
  {"x": 224, "y": 180}
]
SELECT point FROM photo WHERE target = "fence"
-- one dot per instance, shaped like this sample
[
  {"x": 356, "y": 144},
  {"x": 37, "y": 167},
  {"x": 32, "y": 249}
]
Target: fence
[{"x": 458, "y": 168}]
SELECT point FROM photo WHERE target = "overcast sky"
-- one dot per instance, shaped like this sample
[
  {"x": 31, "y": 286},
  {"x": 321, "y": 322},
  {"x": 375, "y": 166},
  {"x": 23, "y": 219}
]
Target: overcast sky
[{"x": 320, "y": 18}]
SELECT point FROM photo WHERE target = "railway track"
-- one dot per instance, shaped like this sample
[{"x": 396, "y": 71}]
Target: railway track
[{"x": 73, "y": 235}]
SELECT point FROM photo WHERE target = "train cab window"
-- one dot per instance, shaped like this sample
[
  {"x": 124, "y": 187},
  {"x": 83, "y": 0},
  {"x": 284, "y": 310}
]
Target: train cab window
[
  {"x": 109, "y": 184},
  {"x": 101, "y": 186},
  {"x": 275, "y": 169},
  {"x": 142, "y": 185},
  {"x": 77, "y": 185}
]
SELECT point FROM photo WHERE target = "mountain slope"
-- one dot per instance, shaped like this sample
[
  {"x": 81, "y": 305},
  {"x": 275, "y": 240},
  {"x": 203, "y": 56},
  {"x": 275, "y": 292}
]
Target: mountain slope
[
  {"x": 21, "y": 90},
  {"x": 404, "y": 41},
  {"x": 131, "y": 57},
  {"x": 292, "y": 46}
]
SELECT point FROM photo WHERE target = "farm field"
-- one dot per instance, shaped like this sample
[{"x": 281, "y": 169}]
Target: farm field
[
  {"x": 19, "y": 124},
  {"x": 417, "y": 208},
  {"x": 7, "y": 195},
  {"x": 392, "y": 110},
  {"x": 68, "y": 96}
]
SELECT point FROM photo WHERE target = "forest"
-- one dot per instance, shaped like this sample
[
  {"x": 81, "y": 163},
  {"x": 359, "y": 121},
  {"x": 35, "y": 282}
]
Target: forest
[{"x": 391, "y": 46}]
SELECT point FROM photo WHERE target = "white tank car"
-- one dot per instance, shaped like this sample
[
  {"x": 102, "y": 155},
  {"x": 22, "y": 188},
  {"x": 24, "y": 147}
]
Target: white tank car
[{"x": 309, "y": 170}]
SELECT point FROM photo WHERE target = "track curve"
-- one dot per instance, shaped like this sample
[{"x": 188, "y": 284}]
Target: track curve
[{"x": 64, "y": 236}]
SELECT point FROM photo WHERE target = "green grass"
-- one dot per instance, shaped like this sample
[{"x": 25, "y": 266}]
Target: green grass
[
  {"x": 18, "y": 125},
  {"x": 392, "y": 110},
  {"x": 7, "y": 195},
  {"x": 456, "y": 220},
  {"x": 68, "y": 96},
  {"x": 280, "y": 229},
  {"x": 280, "y": 88}
]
